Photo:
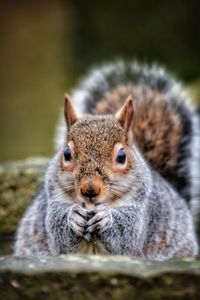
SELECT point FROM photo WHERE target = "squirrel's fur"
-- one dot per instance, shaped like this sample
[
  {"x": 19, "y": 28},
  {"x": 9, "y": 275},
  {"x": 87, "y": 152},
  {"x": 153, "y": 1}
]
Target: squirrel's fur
[{"x": 143, "y": 207}]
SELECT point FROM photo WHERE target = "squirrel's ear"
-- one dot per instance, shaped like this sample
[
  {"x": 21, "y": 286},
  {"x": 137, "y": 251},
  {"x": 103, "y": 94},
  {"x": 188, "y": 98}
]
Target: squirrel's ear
[
  {"x": 125, "y": 117},
  {"x": 69, "y": 112}
]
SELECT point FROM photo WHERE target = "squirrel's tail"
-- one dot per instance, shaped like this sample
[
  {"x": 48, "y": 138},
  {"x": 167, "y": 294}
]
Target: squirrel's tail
[{"x": 166, "y": 123}]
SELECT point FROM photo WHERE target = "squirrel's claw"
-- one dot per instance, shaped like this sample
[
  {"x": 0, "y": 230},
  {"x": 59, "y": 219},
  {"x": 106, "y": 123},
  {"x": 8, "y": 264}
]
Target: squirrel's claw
[
  {"x": 77, "y": 219},
  {"x": 101, "y": 221}
]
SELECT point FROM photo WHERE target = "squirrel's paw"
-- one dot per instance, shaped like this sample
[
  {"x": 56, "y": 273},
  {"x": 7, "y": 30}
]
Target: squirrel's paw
[
  {"x": 77, "y": 219},
  {"x": 102, "y": 219}
]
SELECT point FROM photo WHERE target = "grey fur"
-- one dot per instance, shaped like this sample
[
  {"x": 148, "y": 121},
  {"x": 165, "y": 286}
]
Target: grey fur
[{"x": 151, "y": 221}]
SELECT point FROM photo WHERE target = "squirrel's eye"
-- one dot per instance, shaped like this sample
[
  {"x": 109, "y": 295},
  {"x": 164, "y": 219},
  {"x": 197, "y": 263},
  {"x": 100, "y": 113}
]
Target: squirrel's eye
[
  {"x": 121, "y": 156},
  {"x": 67, "y": 154}
]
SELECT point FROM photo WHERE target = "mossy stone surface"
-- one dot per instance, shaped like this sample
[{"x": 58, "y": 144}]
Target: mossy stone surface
[
  {"x": 19, "y": 182},
  {"x": 98, "y": 277}
]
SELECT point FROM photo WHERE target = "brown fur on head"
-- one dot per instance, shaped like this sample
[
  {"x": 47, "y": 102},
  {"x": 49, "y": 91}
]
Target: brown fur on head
[{"x": 93, "y": 158}]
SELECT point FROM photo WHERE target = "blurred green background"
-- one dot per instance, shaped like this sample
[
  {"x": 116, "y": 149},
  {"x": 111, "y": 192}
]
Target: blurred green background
[{"x": 47, "y": 45}]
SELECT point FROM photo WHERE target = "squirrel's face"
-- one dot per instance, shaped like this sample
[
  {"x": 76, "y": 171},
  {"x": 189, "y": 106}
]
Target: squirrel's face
[{"x": 97, "y": 157}]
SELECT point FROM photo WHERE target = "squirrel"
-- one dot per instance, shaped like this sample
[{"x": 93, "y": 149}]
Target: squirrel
[{"x": 125, "y": 176}]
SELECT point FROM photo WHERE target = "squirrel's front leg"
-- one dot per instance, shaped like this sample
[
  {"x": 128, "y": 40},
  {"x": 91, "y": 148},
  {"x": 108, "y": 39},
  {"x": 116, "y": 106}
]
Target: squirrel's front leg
[
  {"x": 65, "y": 225},
  {"x": 121, "y": 231}
]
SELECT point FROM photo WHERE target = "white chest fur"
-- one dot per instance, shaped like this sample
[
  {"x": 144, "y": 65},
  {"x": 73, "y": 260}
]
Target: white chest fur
[{"x": 86, "y": 247}]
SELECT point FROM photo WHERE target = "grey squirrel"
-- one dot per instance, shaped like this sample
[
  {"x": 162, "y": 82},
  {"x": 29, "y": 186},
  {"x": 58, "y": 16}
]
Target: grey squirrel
[{"x": 124, "y": 179}]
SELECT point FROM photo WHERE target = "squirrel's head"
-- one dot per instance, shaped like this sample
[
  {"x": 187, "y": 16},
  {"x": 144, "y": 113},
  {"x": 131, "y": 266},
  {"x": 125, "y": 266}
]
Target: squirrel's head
[{"x": 97, "y": 158}]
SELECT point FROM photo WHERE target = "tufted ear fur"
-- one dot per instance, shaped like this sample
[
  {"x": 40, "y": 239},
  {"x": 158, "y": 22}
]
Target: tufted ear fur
[
  {"x": 70, "y": 114},
  {"x": 125, "y": 117}
]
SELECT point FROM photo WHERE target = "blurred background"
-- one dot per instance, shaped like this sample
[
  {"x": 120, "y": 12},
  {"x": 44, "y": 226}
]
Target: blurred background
[{"x": 46, "y": 46}]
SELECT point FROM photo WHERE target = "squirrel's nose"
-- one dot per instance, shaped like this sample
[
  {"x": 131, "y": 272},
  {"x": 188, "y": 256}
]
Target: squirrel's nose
[
  {"x": 90, "y": 193},
  {"x": 90, "y": 188}
]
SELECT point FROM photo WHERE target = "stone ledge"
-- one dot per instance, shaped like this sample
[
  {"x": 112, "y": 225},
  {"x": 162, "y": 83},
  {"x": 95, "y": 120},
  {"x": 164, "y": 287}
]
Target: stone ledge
[
  {"x": 98, "y": 277},
  {"x": 97, "y": 263}
]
